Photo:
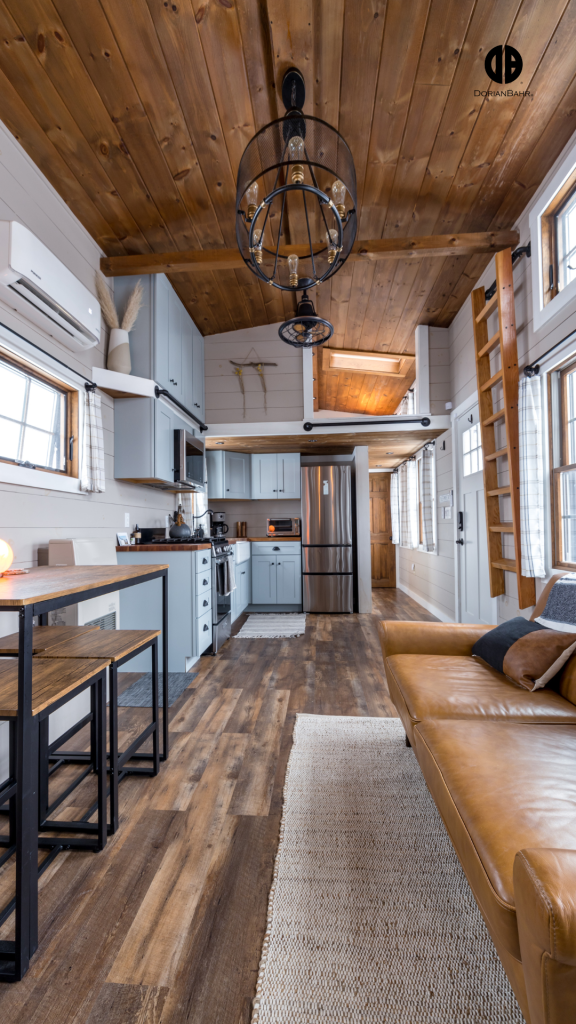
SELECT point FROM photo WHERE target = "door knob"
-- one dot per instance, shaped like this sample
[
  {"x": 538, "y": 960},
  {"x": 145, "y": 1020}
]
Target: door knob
[{"x": 460, "y": 540}]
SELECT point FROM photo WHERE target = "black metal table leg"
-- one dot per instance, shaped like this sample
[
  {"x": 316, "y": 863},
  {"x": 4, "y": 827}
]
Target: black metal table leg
[
  {"x": 165, "y": 709},
  {"x": 100, "y": 757},
  {"x": 114, "y": 813},
  {"x": 43, "y": 769},
  {"x": 155, "y": 714},
  {"x": 26, "y": 805}
]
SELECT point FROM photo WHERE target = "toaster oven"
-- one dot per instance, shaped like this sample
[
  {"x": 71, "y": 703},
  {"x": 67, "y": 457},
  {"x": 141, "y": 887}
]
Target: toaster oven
[{"x": 285, "y": 527}]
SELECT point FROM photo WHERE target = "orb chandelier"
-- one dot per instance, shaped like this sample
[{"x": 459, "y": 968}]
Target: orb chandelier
[
  {"x": 296, "y": 199},
  {"x": 305, "y": 330}
]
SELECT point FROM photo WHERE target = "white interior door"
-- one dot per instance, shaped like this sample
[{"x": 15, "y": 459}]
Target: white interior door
[{"x": 475, "y": 602}]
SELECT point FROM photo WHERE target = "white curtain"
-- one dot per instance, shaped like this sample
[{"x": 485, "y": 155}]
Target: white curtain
[
  {"x": 408, "y": 505},
  {"x": 427, "y": 498},
  {"x": 92, "y": 476},
  {"x": 395, "y": 508},
  {"x": 406, "y": 406},
  {"x": 531, "y": 476}
]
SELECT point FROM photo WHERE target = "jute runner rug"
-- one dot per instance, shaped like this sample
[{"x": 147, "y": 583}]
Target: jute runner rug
[{"x": 370, "y": 915}]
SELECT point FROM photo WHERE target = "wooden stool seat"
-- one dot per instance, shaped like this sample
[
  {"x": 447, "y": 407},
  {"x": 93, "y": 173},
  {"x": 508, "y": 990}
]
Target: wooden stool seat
[
  {"x": 112, "y": 644},
  {"x": 44, "y": 637},
  {"x": 52, "y": 681}
]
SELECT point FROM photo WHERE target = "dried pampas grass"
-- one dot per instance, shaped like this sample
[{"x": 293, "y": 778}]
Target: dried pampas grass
[
  {"x": 133, "y": 307},
  {"x": 107, "y": 303},
  {"x": 109, "y": 313}
]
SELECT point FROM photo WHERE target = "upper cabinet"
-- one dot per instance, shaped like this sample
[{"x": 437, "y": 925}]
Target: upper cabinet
[
  {"x": 165, "y": 344},
  {"x": 228, "y": 475},
  {"x": 276, "y": 475},
  {"x": 144, "y": 440}
]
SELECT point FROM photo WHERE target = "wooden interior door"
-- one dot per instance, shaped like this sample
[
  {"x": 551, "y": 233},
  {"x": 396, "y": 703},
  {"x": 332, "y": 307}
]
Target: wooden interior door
[{"x": 382, "y": 549}]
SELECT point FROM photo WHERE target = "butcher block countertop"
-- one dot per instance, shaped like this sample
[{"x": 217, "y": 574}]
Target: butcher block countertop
[
  {"x": 163, "y": 547},
  {"x": 273, "y": 540}
]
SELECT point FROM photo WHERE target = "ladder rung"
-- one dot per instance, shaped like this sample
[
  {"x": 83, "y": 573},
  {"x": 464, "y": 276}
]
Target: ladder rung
[
  {"x": 490, "y": 345},
  {"x": 488, "y": 308},
  {"x": 493, "y": 380},
  {"x": 494, "y": 418},
  {"x": 502, "y": 528},
  {"x": 497, "y": 491},
  {"x": 505, "y": 563},
  {"x": 496, "y": 455}
]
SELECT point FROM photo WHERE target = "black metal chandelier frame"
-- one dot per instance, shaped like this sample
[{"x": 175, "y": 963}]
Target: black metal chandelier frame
[{"x": 292, "y": 124}]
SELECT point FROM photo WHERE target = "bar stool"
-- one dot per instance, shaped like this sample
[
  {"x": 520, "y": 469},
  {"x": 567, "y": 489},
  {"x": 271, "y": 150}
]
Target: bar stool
[
  {"x": 54, "y": 683},
  {"x": 117, "y": 646},
  {"x": 43, "y": 637}
]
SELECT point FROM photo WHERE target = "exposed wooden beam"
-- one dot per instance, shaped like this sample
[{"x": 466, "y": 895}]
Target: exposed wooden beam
[{"x": 204, "y": 260}]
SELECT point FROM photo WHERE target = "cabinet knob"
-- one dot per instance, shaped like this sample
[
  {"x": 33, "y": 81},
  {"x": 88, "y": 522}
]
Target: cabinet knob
[
  {"x": 227, "y": 488},
  {"x": 205, "y": 604},
  {"x": 205, "y": 628},
  {"x": 204, "y": 583},
  {"x": 273, "y": 490}
]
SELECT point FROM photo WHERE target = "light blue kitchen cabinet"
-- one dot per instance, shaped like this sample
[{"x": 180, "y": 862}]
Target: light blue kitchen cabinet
[
  {"x": 289, "y": 579},
  {"x": 228, "y": 475},
  {"x": 264, "y": 579},
  {"x": 163, "y": 442},
  {"x": 144, "y": 439},
  {"x": 165, "y": 344},
  {"x": 242, "y": 596},
  {"x": 275, "y": 475}
]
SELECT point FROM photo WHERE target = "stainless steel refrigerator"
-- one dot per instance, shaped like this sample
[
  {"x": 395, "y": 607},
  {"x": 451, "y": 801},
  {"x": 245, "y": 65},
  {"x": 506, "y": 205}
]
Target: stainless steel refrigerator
[{"x": 327, "y": 550}]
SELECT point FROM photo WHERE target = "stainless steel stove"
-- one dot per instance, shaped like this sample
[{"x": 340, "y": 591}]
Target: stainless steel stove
[{"x": 222, "y": 553}]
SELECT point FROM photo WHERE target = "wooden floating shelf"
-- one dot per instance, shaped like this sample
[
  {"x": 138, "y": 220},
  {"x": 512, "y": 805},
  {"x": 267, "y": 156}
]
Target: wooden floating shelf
[
  {"x": 492, "y": 382},
  {"x": 496, "y": 455},
  {"x": 488, "y": 309},
  {"x": 490, "y": 345}
]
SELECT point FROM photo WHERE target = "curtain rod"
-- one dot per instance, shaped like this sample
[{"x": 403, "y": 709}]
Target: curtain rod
[
  {"x": 533, "y": 368},
  {"x": 88, "y": 384},
  {"x": 424, "y": 421}
]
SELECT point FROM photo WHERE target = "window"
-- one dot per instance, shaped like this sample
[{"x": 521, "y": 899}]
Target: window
[
  {"x": 472, "y": 450},
  {"x": 38, "y": 419},
  {"x": 558, "y": 232},
  {"x": 426, "y": 484},
  {"x": 564, "y": 475}
]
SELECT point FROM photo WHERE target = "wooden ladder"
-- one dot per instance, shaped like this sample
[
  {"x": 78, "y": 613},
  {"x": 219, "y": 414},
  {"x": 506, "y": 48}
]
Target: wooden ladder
[{"x": 505, "y": 340}]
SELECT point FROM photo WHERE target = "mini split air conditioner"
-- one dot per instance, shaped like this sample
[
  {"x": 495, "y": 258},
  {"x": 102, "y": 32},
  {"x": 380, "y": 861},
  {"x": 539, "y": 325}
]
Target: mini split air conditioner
[{"x": 37, "y": 284}]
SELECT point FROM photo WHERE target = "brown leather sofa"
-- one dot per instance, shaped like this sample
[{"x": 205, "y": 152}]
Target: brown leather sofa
[{"x": 500, "y": 763}]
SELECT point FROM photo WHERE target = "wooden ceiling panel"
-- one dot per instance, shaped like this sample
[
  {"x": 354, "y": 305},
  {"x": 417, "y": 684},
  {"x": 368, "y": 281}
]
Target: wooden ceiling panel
[{"x": 138, "y": 113}]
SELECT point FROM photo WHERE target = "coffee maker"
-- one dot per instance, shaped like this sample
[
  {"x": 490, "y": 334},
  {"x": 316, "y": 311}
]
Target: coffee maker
[{"x": 219, "y": 526}]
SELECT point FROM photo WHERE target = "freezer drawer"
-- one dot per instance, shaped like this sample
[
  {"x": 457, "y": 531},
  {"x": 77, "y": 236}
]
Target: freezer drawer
[
  {"x": 327, "y": 593},
  {"x": 327, "y": 559}
]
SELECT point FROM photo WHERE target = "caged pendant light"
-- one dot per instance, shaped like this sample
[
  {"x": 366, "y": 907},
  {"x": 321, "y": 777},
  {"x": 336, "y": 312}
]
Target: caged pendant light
[{"x": 296, "y": 207}]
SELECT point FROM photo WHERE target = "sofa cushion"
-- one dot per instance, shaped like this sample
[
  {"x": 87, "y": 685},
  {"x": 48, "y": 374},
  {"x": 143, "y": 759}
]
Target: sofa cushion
[
  {"x": 434, "y": 686},
  {"x": 527, "y": 652},
  {"x": 500, "y": 787}
]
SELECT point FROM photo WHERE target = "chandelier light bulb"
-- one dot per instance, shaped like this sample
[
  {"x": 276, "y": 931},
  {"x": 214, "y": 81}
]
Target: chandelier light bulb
[
  {"x": 293, "y": 270},
  {"x": 296, "y": 153},
  {"x": 339, "y": 197},
  {"x": 257, "y": 237},
  {"x": 332, "y": 242},
  {"x": 6, "y": 556},
  {"x": 252, "y": 199}
]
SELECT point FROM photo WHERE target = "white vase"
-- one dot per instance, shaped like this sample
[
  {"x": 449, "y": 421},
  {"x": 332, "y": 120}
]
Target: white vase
[{"x": 119, "y": 351}]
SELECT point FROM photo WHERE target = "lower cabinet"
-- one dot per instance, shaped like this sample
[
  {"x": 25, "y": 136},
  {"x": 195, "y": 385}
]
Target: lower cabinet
[
  {"x": 277, "y": 579},
  {"x": 242, "y": 596}
]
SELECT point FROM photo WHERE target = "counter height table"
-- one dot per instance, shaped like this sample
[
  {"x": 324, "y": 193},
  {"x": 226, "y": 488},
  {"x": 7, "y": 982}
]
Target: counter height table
[{"x": 38, "y": 592}]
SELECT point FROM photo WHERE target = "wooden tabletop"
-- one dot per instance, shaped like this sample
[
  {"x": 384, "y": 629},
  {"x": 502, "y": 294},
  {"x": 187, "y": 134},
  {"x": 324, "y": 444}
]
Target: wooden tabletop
[
  {"x": 112, "y": 644},
  {"x": 51, "y": 680},
  {"x": 44, "y": 637},
  {"x": 47, "y": 582}
]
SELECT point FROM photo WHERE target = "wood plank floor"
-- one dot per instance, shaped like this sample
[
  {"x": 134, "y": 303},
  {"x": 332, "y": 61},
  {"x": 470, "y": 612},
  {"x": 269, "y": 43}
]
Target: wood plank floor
[{"x": 166, "y": 924}]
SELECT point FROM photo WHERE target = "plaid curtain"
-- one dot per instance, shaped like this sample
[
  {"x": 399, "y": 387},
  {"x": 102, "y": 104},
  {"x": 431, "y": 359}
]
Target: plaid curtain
[
  {"x": 408, "y": 505},
  {"x": 92, "y": 473},
  {"x": 395, "y": 508},
  {"x": 531, "y": 477},
  {"x": 426, "y": 482}
]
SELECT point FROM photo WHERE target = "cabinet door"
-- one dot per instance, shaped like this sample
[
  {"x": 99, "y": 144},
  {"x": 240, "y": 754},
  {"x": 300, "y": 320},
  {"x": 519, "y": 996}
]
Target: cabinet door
[
  {"x": 264, "y": 476},
  {"x": 163, "y": 444},
  {"x": 289, "y": 579},
  {"x": 187, "y": 360},
  {"x": 215, "y": 473},
  {"x": 263, "y": 579},
  {"x": 197, "y": 406},
  {"x": 236, "y": 475},
  {"x": 175, "y": 346},
  {"x": 244, "y": 585},
  {"x": 161, "y": 303},
  {"x": 289, "y": 475}
]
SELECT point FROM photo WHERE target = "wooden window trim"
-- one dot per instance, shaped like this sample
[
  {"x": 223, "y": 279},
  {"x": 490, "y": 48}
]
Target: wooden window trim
[
  {"x": 558, "y": 561},
  {"x": 72, "y": 413},
  {"x": 550, "y": 236}
]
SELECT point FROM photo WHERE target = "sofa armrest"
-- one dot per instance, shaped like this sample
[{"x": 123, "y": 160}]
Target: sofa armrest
[
  {"x": 450, "y": 638},
  {"x": 545, "y": 896}
]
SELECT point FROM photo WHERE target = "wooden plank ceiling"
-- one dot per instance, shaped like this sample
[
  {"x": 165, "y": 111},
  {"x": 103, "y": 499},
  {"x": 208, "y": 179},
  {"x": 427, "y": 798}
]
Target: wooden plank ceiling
[
  {"x": 138, "y": 112},
  {"x": 386, "y": 449}
]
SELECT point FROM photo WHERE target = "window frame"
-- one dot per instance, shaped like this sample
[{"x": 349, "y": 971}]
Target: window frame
[
  {"x": 558, "y": 443},
  {"x": 72, "y": 469},
  {"x": 419, "y": 458},
  {"x": 549, "y": 245}
]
